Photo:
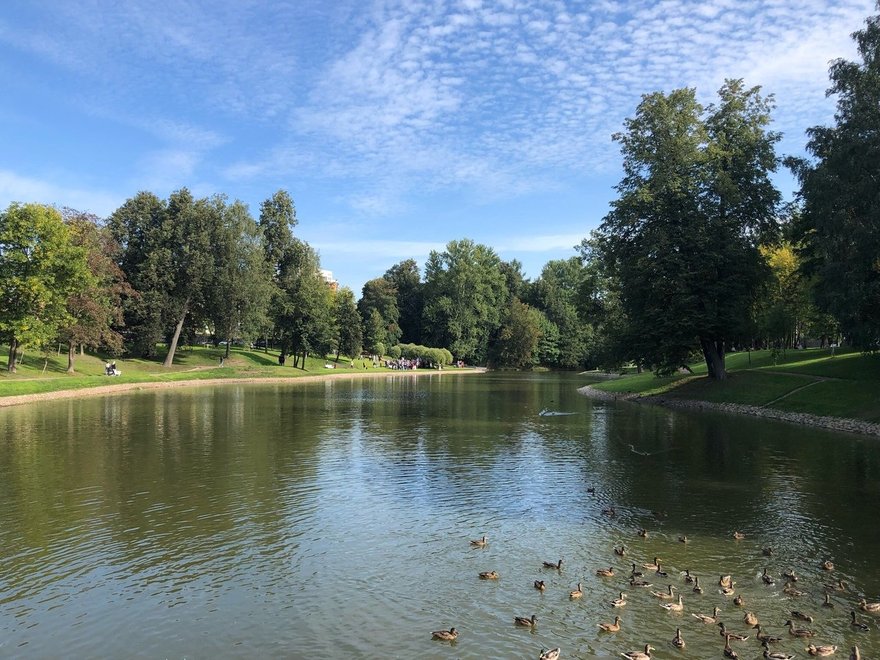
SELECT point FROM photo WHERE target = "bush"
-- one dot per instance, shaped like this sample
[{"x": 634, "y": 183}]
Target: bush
[
  {"x": 394, "y": 352},
  {"x": 379, "y": 349}
]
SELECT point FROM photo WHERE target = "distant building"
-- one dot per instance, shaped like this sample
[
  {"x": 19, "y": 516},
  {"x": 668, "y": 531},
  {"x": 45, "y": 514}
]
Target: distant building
[{"x": 328, "y": 278}]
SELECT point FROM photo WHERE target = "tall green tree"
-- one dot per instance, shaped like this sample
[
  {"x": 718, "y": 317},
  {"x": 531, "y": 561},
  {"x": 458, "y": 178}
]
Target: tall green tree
[
  {"x": 349, "y": 328},
  {"x": 380, "y": 295},
  {"x": 518, "y": 336},
  {"x": 682, "y": 238},
  {"x": 40, "y": 269},
  {"x": 839, "y": 191},
  {"x": 406, "y": 279},
  {"x": 558, "y": 293}
]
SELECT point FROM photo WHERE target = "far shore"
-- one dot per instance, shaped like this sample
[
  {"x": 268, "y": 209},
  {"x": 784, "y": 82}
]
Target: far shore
[
  {"x": 121, "y": 388},
  {"x": 819, "y": 421}
]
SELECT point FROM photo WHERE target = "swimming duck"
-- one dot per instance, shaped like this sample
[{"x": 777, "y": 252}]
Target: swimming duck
[
  {"x": 726, "y": 633},
  {"x": 605, "y": 572},
  {"x": 539, "y": 585},
  {"x": 775, "y": 655},
  {"x": 636, "y": 573},
  {"x": 550, "y": 564},
  {"x": 639, "y": 583},
  {"x": 798, "y": 632},
  {"x": 812, "y": 649},
  {"x": 610, "y": 512},
  {"x": 725, "y": 581},
  {"x": 667, "y": 595},
  {"x": 481, "y": 543},
  {"x": 551, "y": 654},
  {"x": 523, "y": 621},
  {"x": 621, "y": 551},
  {"x": 727, "y": 591},
  {"x": 688, "y": 578},
  {"x": 639, "y": 655},
  {"x": 683, "y": 538},
  {"x": 764, "y": 638},
  {"x": 674, "y": 607},
  {"x": 855, "y": 623},
  {"x": 611, "y": 627},
  {"x": 789, "y": 590},
  {"x": 489, "y": 575},
  {"x": 840, "y": 585},
  {"x": 790, "y": 575},
  {"x": 827, "y": 602},
  {"x": 739, "y": 601},
  {"x": 661, "y": 572},
  {"x": 868, "y": 607},
  {"x": 445, "y": 635},
  {"x": 697, "y": 588},
  {"x": 827, "y": 565},
  {"x": 577, "y": 593},
  {"x": 750, "y": 619},
  {"x": 643, "y": 533},
  {"x": 677, "y": 641},
  {"x": 739, "y": 536},
  {"x": 854, "y": 654},
  {"x": 619, "y": 602},
  {"x": 767, "y": 552},
  {"x": 802, "y": 616},
  {"x": 652, "y": 565},
  {"x": 766, "y": 579},
  {"x": 705, "y": 618},
  {"x": 729, "y": 652}
]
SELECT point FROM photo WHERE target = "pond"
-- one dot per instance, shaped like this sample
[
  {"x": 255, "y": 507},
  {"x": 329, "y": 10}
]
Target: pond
[{"x": 334, "y": 520}]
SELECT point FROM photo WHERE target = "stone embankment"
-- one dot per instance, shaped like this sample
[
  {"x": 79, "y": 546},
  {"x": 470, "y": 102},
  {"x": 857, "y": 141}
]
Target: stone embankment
[{"x": 820, "y": 421}]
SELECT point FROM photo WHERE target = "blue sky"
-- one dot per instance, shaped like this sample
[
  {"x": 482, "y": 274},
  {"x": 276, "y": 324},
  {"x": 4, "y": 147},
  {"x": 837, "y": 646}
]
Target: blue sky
[{"x": 396, "y": 126}]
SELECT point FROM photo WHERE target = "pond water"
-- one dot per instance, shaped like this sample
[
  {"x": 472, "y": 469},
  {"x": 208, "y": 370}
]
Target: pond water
[{"x": 334, "y": 520}]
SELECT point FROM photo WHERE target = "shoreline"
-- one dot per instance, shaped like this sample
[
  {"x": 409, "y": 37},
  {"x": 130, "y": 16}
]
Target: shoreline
[
  {"x": 123, "y": 388},
  {"x": 843, "y": 424}
]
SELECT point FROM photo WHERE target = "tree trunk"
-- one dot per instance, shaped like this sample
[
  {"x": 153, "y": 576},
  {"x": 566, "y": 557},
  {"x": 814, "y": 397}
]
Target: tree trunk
[
  {"x": 169, "y": 359},
  {"x": 82, "y": 349},
  {"x": 305, "y": 354},
  {"x": 713, "y": 352},
  {"x": 13, "y": 349},
  {"x": 71, "y": 353}
]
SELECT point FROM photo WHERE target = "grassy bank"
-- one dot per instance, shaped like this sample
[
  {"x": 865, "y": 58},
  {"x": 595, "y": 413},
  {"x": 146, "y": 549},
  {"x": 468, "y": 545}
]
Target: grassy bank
[
  {"x": 844, "y": 384},
  {"x": 37, "y": 375}
]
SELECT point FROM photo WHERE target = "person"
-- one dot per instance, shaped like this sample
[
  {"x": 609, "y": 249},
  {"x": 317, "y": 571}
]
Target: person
[
  {"x": 107, "y": 370},
  {"x": 221, "y": 360}
]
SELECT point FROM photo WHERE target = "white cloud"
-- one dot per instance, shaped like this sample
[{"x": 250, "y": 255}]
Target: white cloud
[{"x": 17, "y": 188}]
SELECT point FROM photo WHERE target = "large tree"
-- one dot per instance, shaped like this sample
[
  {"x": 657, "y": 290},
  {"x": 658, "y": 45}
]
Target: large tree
[
  {"x": 406, "y": 279},
  {"x": 40, "y": 269},
  {"x": 349, "y": 328},
  {"x": 682, "y": 237},
  {"x": 380, "y": 295},
  {"x": 840, "y": 191}
]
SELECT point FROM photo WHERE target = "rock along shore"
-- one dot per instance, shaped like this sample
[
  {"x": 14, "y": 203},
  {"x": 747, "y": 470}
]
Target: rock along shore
[{"x": 819, "y": 421}]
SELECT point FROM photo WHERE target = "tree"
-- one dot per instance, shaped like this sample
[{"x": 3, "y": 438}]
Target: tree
[
  {"x": 380, "y": 295},
  {"x": 839, "y": 192},
  {"x": 784, "y": 308},
  {"x": 557, "y": 293},
  {"x": 410, "y": 299},
  {"x": 40, "y": 269},
  {"x": 681, "y": 240},
  {"x": 518, "y": 336},
  {"x": 350, "y": 336},
  {"x": 374, "y": 332}
]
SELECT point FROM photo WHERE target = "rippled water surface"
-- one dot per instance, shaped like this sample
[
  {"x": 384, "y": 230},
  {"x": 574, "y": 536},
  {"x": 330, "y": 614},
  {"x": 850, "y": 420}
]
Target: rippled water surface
[{"x": 334, "y": 519}]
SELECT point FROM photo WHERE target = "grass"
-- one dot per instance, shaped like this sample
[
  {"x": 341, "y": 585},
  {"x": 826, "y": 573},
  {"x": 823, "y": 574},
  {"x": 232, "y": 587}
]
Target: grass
[
  {"x": 36, "y": 375},
  {"x": 843, "y": 384}
]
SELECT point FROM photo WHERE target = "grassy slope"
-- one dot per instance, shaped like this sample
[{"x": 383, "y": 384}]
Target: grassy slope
[
  {"x": 846, "y": 384},
  {"x": 195, "y": 363}
]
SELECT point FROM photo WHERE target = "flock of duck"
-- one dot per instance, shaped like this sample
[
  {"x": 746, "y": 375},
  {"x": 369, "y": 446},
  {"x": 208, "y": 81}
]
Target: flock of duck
[{"x": 671, "y": 599}]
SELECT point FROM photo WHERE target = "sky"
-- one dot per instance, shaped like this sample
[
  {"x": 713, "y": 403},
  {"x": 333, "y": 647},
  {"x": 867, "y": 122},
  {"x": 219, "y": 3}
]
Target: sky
[{"x": 396, "y": 125}]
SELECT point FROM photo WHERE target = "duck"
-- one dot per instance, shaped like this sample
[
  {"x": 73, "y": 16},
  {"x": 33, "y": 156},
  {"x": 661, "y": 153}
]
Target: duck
[
  {"x": 621, "y": 551},
  {"x": 678, "y": 641},
  {"x": 725, "y": 581},
  {"x": 636, "y": 573},
  {"x": 539, "y": 585},
  {"x": 726, "y": 591},
  {"x": 605, "y": 572},
  {"x": 611, "y": 627},
  {"x": 798, "y": 632},
  {"x": 855, "y": 623},
  {"x": 739, "y": 601},
  {"x": 639, "y": 583},
  {"x": 827, "y": 602},
  {"x": 726, "y": 633},
  {"x": 697, "y": 588},
  {"x": 729, "y": 652},
  {"x": 766, "y": 579},
  {"x": 523, "y": 621},
  {"x": 643, "y": 533},
  {"x": 661, "y": 572},
  {"x": 688, "y": 578},
  {"x": 790, "y": 575},
  {"x": 610, "y": 512},
  {"x": 790, "y": 590},
  {"x": 481, "y": 543},
  {"x": 854, "y": 654},
  {"x": 667, "y": 595},
  {"x": 550, "y": 564},
  {"x": 550, "y": 654},
  {"x": 639, "y": 655},
  {"x": 445, "y": 635},
  {"x": 653, "y": 566},
  {"x": 767, "y": 552},
  {"x": 620, "y": 601},
  {"x": 750, "y": 619},
  {"x": 763, "y": 637},
  {"x": 840, "y": 585},
  {"x": 673, "y": 607},
  {"x": 683, "y": 538},
  {"x": 739, "y": 536},
  {"x": 775, "y": 655},
  {"x": 577, "y": 593},
  {"x": 827, "y": 565},
  {"x": 489, "y": 575},
  {"x": 705, "y": 618},
  {"x": 868, "y": 607},
  {"x": 827, "y": 649},
  {"x": 801, "y": 616}
]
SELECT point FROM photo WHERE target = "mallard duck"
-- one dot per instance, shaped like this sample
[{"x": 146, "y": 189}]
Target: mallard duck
[
  {"x": 775, "y": 655},
  {"x": 827, "y": 565},
  {"x": 725, "y": 581},
  {"x": 739, "y": 601},
  {"x": 620, "y": 601},
  {"x": 639, "y": 655},
  {"x": 664, "y": 595},
  {"x": 523, "y": 621},
  {"x": 729, "y": 652},
  {"x": 688, "y": 578},
  {"x": 539, "y": 585},
  {"x": 801, "y": 616},
  {"x": 767, "y": 552},
  {"x": 697, "y": 588},
  {"x": 643, "y": 533},
  {"x": 636, "y": 573},
  {"x": 764, "y": 638},
  {"x": 868, "y": 607},
  {"x": 789, "y": 590},
  {"x": 790, "y": 575},
  {"x": 550, "y": 564},
  {"x": 551, "y": 654},
  {"x": 481, "y": 543},
  {"x": 489, "y": 575},
  {"x": 766, "y": 579},
  {"x": 750, "y": 619},
  {"x": 827, "y": 602},
  {"x": 610, "y": 512},
  {"x": 798, "y": 632},
  {"x": 726, "y": 633},
  {"x": 840, "y": 585},
  {"x": 854, "y": 654},
  {"x": 621, "y": 551},
  {"x": 726, "y": 591},
  {"x": 611, "y": 627},
  {"x": 673, "y": 607},
  {"x": 577, "y": 593},
  {"x": 683, "y": 538},
  {"x": 445, "y": 635},
  {"x": 677, "y": 641},
  {"x": 660, "y": 572},
  {"x": 653, "y": 566},
  {"x": 639, "y": 583},
  {"x": 855, "y": 623},
  {"x": 739, "y": 536},
  {"x": 827, "y": 649},
  {"x": 605, "y": 572},
  {"x": 705, "y": 618}
]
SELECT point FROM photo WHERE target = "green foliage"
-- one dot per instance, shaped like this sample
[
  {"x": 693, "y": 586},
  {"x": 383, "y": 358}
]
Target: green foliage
[
  {"x": 350, "y": 337},
  {"x": 517, "y": 339},
  {"x": 380, "y": 296},
  {"x": 394, "y": 352},
  {"x": 374, "y": 331},
  {"x": 410, "y": 298}
]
